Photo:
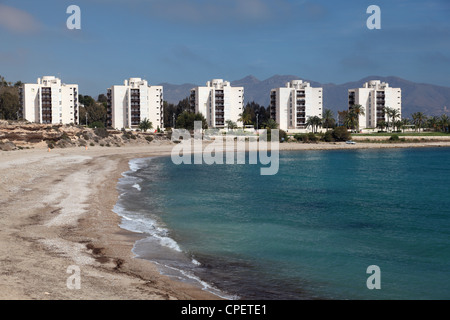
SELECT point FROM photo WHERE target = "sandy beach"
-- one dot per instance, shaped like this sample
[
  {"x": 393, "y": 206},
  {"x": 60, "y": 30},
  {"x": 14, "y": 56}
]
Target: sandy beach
[{"x": 56, "y": 212}]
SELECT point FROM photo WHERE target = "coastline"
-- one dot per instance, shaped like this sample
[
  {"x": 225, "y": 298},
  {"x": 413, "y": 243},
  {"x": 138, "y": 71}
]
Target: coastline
[
  {"x": 57, "y": 211},
  {"x": 44, "y": 232}
]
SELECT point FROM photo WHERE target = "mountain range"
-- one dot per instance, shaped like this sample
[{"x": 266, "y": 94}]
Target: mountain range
[{"x": 427, "y": 98}]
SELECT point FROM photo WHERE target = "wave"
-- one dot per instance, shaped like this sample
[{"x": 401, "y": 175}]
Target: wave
[
  {"x": 138, "y": 163},
  {"x": 171, "y": 259}
]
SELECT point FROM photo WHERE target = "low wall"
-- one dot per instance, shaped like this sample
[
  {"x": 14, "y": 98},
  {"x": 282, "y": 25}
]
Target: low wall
[{"x": 407, "y": 137}]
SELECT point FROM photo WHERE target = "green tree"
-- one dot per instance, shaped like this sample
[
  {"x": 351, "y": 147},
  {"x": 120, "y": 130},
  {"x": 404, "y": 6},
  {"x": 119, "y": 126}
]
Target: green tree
[
  {"x": 102, "y": 98},
  {"x": 444, "y": 122},
  {"x": 270, "y": 124},
  {"x": 381, "y": 124},
  {"x": 341, "y": 134},
  {"x": 9, "y": 106},
  {"x": 398, "y": 124},
  {"x": 314, "y": 122},
  {"x": 419, "y": 119},
  {"x": 328, "y": 119},
  {"x": 231, "y": 124},
  {"x": 387, "y": 113},
  {"x": 405, "y": 122},
  {"x": 433, "y": 123},
  {"x": 357, "y": 110},
  {"x": 351, "y": 120},
  {"x": 245, "y": 118},
  {"x": 394, "y": 114},
  {"x": 186, "y": 120},
  {"x": 145, "y": 125}
]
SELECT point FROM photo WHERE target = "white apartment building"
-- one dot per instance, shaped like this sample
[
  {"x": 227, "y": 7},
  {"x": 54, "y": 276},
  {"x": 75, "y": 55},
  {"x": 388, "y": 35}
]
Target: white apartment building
[
  {"x": 49, "y": 101},
  {"x": 218, "y": 102},
  {"x": 374, "y": 96},
  {"x": 290, "y": 106},
  {"x": 134, "y": 101}
]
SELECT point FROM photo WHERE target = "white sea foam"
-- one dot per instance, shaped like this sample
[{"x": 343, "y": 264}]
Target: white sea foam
[
  {"x": 143, "y": 224},
  {"x": 136, "y": 164},
  {"x": 184, "y": 275}
]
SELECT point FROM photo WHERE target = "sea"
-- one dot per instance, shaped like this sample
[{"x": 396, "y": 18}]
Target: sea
[{"x": 362, "y": 224}]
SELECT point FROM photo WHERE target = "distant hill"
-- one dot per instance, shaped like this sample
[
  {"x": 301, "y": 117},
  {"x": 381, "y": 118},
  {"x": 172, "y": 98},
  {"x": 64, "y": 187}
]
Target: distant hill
[
  {"x": 427, "y": 98},
  {"x": 173, "y": 93}
]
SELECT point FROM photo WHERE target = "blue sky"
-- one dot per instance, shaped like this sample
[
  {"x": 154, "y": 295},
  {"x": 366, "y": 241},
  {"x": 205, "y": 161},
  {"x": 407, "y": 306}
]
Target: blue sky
[{"x": 181, "y": 41}]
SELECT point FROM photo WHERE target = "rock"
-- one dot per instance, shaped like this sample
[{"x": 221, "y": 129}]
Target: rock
[{"x": 7, "y": 146}]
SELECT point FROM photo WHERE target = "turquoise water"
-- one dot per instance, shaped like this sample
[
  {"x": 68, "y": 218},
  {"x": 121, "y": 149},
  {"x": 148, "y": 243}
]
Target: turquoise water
[{"x": 308, "y": 232}]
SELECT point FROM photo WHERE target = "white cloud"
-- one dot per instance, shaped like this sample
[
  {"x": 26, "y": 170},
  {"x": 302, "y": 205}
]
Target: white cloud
[{"x": 17, "y": 20}]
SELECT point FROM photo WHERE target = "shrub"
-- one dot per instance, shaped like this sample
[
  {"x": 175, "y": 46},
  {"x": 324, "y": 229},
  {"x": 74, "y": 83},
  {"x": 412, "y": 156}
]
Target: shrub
[
  {"x": 101, "y": 132},
  {"x": 149, "y": 138},
  {"x": 328, "y": 136},
  {"x": 128, "y": 135},
  {"x": 97, "y": 124},
  {"x": 312, "y": 137},
  {"x": 283, "y": 135},
  {"x": 51, "y": 144},
  {"x": 300, "y": 137},
  {"x": 341, "y": 134},
  {"x": 92, "y": 144},
  {"x": 65, "y": 136},
  {"x": 394, "y": 137}
]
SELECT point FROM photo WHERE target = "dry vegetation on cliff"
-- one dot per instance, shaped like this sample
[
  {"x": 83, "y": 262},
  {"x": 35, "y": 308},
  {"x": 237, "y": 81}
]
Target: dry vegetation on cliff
[{"x": 22, "y": 135}]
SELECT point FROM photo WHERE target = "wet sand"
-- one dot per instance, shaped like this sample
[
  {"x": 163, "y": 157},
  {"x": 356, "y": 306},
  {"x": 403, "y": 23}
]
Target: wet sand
[{"x": 56, "y": 212}]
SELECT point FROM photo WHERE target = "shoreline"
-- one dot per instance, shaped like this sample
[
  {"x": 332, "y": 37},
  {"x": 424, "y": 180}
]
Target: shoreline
[
  {"x": 44, "y": 232},
  {"x": 57, "y": 211}
]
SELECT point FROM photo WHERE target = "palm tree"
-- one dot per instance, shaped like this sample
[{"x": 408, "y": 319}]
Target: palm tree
[
  {"x": 328, "y": 119},
  {"x": 381, "y": 124},
  {"x": 418, "y": 119},
  {"x": 145, "y": 125},
  {"x": 315, "y": 122},
  {"x": 245, "y": 118},
  {"x": 231, "y": 124},
  {"x": 444, "y": 121},
  {"x": 433, "y": 123},
  {"x": 405, "y": 122},
  {"x": 358, "y": 110},
  {"x": 394, "y": 114},
  {"x": 270, "y": 124},
  {"x": 351, "y": 120},
  {"x": 387, "y": 113}
]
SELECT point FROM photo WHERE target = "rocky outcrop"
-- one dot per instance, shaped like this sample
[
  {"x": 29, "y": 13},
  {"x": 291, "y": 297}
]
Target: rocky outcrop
[{"x": 19, "y": 135}]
